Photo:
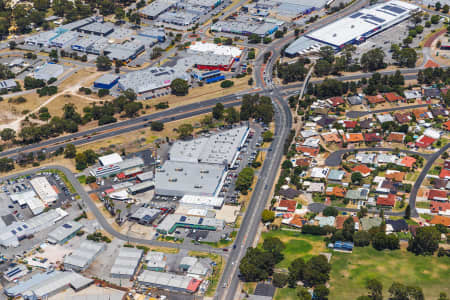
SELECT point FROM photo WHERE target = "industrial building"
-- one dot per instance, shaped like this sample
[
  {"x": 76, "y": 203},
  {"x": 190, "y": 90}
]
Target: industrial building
[
  {"x": 153, "y": 32},
  {"x": 110, "y": 159},
  {"x": 201, "y": 202},
  {"x": 156, "y": 8},
  {"x": 176, "y": 178},
  {"x": 45, "y": 285},
  {"x": 167, "y": 281},
  {"x": 107, "y": 81},
  {"x": 146, "y": 176},
  {"x": 219, "y": 148},
  {"x": 174, "y": 221},
  {"x": 44, "y": 190},
  {"x": 245, "y": 28},
  {"x": 150, "y": 79},
  {"x": 156, "y": 261},
  {"x": 125, "y": 52},
  {"x": 64, "y": 40},
  {"x": 215, "y": 49},
  {"x": 30, "y": 199},
  {"x": 100, "y": 29},
  {"x": 145, "y": 215},
  {"x": 356, "y": 28},
  {"x": 126, "y": 262},
  {"x": 8, "y": 84},
  {"x": 178, "y": 18},
  {"x": 81, "y": 258},
  {"x": 18, "y": 230},
  {"x": 141, "y": 187},
  {"x": 47, "y": 71},
  {"x": 111, "y": 169},
  {"x": 64, "y": 233}
]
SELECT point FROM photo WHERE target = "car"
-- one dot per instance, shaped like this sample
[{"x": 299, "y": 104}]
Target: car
[
  {"x": 10, "y": 206},
  {"x": 225, "y": 250}
]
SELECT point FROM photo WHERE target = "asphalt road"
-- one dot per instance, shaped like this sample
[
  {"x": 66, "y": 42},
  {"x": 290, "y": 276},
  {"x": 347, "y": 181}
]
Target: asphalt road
[
  {"x": 104, "y": 223},
  {"x": 335, "y": 158}
]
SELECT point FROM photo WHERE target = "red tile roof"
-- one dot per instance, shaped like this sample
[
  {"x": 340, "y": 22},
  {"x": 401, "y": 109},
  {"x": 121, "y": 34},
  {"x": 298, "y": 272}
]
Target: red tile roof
[
  {"x": 363, "y": 169},
  {"x": 388, "y": 200},
  {"x": 424, "y": 141},
  {"x": 373, "y": 137},
  {"x": 375, "y": 99},
  {"x": 447, "y": 125},
  {"x": 392, "y": 97},
  {"x": 408, "y": 161},
  {"x": 303, "y": 162},
  {"x": 437, "y": 206},
  {"x": 403, "y": 117},
  {"x": 431, "y": 64},
  {"x": 297, "y": 221},
  {"x": 337, "y": 191},
  {"x": 440, "y": 220},
  {"x": 397, "y": 137},
  {"x": 335, "y": 101},
  {"x": 350, "y": 124},
  {"x": 353, "y": 137},
  {"x": 308, "y": 150},
  {"x": 396, "y": 176},
  {"x": 445, "y": 174},
  {"x": 290, "y": 205},
  {"x": 437, "y": 195}
]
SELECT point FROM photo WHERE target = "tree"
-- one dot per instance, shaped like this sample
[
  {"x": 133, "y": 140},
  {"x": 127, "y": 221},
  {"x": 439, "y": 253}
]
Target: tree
[
  {"x": 330, "y": 211},
  {"x": 218, "y": 111},
  {"x": 8, "y": 134},
  {"x": 256, "y": 265},
  {"x": 296, "y": 269},
  {"x": 226, "y": 84},
  {"x": 398, "y": 291},
  {"x": 361, "y": 238},
  {"x": 327, "y": 53},
  {"x": 373, "y": 60},
  {"x": 435, "y": 19},
  {"x": 321, "y": 292},
  {"x": 103, "y": 63},
  {"x": 375, "y": 288},
  {"x": 157, "y": 126},
  {"x": 274, "y": 246},
  {"x": 54, "y": 55},
  {"x": 102, "y": 93},
  {"x": 279, "y": 280},
  {"x": 407, "y": 57},
  {"x": 231, "y": 115},
  {"x": 267, "y": 136},
  {"x": 267, "y": 216},
  {"x": 254, "y": 39},
  {"x": 317, "y": 271},
  {"x": 6, "y": 164},
  {"x": 245, "y": 180},
  {"x": 90, "y": 179},
  {"x": 179, "y": 87},
  {"x": 70, "y": 151},
  {"x": 303, "y": 293},
  {"x": 443, "y": 296},
  {"x": 425, "y": 242},
  {"x": 356, "y": 177},
  {"x": 185, "y": 130}
]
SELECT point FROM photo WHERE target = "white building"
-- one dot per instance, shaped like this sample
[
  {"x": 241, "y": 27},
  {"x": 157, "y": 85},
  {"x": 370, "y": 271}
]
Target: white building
[
  {"x": 80, "y": 259},
  {"x": 110, "y": 159},
  {"x": 44, "y": 190},
  {"x": 201, "y": 201}
]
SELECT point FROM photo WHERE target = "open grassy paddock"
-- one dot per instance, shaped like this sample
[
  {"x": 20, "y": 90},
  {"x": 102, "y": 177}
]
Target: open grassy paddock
[{"x": 350, "y": 272}]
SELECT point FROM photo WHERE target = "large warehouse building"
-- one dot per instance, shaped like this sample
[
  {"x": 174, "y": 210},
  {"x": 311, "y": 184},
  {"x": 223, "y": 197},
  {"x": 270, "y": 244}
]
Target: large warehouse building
[{"x": 358, "y": 27}]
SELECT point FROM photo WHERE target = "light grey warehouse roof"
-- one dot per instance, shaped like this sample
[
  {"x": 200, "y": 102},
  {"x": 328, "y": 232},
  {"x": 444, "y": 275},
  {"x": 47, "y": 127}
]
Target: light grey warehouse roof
[
  {"x": 63, "y": 231},
  {"x": 77, "y": 24},
  {"x": 127, "y": 261},
  {"x": 87, "y": 40},
  {"x": 173, "y": 219},
  {"x": 215, "y": 149},
  {"x": 145, "y": 211},
  {"x": 65, "y": 37},
  {"x": 47, "y": 71},
  {"x": 150, "y": 79},
  {"x": 157, "y": 7},
  {"x": 7, "y": 84},
  {"x": 84, "y": 254},
  {"x": 164, "y": 280},
  {"x": 185, "y": 178},
  {"x": 102, "y": 28}
]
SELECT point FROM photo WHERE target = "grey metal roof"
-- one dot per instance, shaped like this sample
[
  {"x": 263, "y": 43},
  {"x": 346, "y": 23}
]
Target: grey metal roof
[
  {"x": 47, "y": 71},
  {"x": 101, "y": 28},
  {"x": 107, "y": 79},
  {"x": 8, "y": 84},
  {"x": 127, "y": 261},
  {"x": 145, "y": 211},
  {"x": 164, "y": 280},
  {"x": 171, "y": 220},
  {"x": 84, "y": 254},
  {"x": 157, "y": 7},
  {"x": 63, "y": 231}
]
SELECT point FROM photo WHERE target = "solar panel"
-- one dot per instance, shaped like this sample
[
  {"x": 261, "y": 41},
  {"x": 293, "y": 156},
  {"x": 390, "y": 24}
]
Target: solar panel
[
  {"x": 356, "y": 15},
  {"x": 183, "y": 218},
  {"x": 67, "y": 226},
  {"x": 25, "y": 226},
  {"x": 394, "y": 9},
  {"x": 376, "y": 19},
  {"x": 200, "y": 221}
]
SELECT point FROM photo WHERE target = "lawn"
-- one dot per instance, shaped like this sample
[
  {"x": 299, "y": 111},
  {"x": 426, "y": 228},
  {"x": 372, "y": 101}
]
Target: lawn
[
  {"x": 351, "y": 271},
  {"x": 297, "y": 245},
  {"x": 286, "y": 294}
]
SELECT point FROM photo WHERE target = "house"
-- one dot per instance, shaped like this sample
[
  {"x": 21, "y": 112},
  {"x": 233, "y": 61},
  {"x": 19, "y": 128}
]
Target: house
[
  {"x": 393, "y": 97},
  {"x": 424, "y": 141},
  {"x": 386, "y": 200},
  {"x": 422, "y": 114},
  {"x": 432, "y": 133},
  {"x": 399, "y": 225},
  {"x": 360, "y": 194},
  {"x": 332, "y": 137},
  {"x": 317, "y": 172},
  {"x": 386, "y": 186},
  {"x": 402, "y": 118},
  {"x": 370, "y": 222},
  {"x": 446, "y": 125},
  {"x": 303, "y": 162},
  {"x": 407, "y": 161},
  {"x": 439, "y": 111},
  {"x": 354, "y": 100},
  {"x": 366, "y": 124},
  {"x": 439, "y": 207},
  {"x": 353, "y": 138},
  {"x": 350, "y": 124},
  {"x": 373, "y": 137},
  {"x": 395, "y": 175},
  {"x": 440, "y": 220},
  {"x": 341, "y": 219},
  {"x": 383, "y": 118},
  {"x": 412, "y": 94},
  {"x": 323, "y": 221},
  {"x": 287, "y": 205},
  {"x": 336, "y": 191},
  {"x": 375, "y": 99},
  {"x": 365, "y": 158},
  {"x": 336, "y": 176},
  {"x": 363, "y": 169},
  {"x": 447, "y": 164},
  {"x": 308, "y": 151},
  {"x": 396, "y": 137},
  {"x": 445, "y": 174},
  {"x": 432, "y": 93},
  {"x": 336, "y": 101},
  {"x": 437, "y": 195},
  {"x": 316, "y": 187},
  {"x": 297, "y": 221},
  {"x": 289, "y": 193},
  {"x": 326, "y": 121},
  {"x": 440, "y": 184},
  {"x": 386, "y": 158},
  {"x": 308, "y": 133}
]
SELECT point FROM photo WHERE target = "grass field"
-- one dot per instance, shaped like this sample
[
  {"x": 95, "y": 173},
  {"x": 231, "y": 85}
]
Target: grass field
[
  {"x": 297, "y": 245},
  {"x": 351, "y": 271}
]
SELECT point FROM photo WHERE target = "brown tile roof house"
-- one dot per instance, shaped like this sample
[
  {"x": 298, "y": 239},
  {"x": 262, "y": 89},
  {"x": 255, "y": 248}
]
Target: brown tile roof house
[
  {"x": 287, "y": 205},
  {"x": 339, "y": 221},
  {"x": 375, "y": 99},
  {"x": 396, "y": 176},
  {"x": 393, "y": 97},
  {"x": 297, "y": 221},
  {"x": 386, "y": 200},
  {"x": 440, "y": 183},
  {"x": 353, "y": 137},
  {"x": 336, "y": 101},
  {"x": 303, "y": 162},
  {"x": 308, "y": 151},
  {"x": 402, "y": 118},
  {"x": 438, "y": 195},
  {"x": 446, "y": 125},
  {"x": 373, "y": 137},
  {"x": 422, "y": 114},
  {"x": 440, "y": 220},
  {"x": 396, "y": 137},
  {"x": 331, "y": 137},
  {"x": 363, "y": 169},
  {"x": 438, "y": 206},
  {"x": 336, "y": 191}
]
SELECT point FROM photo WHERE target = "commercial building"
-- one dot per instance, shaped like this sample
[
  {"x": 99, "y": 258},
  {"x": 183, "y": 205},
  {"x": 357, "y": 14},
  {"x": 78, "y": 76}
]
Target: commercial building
[
  {"x": 150, "y": 79},
  {"x": 186, "y": 178},
  {"x": 146, "y": 176},
  {"x": 44, "y": 285},
  {"x": 174, "y": 221},
  {"x": 156, "y": 8},
  {"x": 178, "y": 18},
  {"x": 141, "y": 187},
  {"x": 126, "y": 262},
  {"x": 156, "y": 261},
  {"x": 8, "y": 84},
  {"x": 65, "y": 39},
  {"x": 153, "y": 32},
  {"x": 30, "y": 199},
  {"x": 215, "y": 49},
  {"x": 110, "y": 159},
  {"x": 208, "y": 61},
  {"x": 245, "y": 28},
  {"x": 125, "y": 52},
  {"x": 145, "y": 215},
  {"x": 41, "y": 39},
  {"x": 44, "y": 190},
  {"x": 201, "y": 201},
  {"x": 64, "y": 233},
  {"x": 47, "y": 71},
  {"x": 115, "y": 168},
  {"x": 107, "y": 81},
  {"x": 81, "y": 258},
  {"x": 100, "y": 29},
  {"x": 364, "y": 23},
  {"x": 167, "y": 281},
  {"x": 18, "y": 230}
]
